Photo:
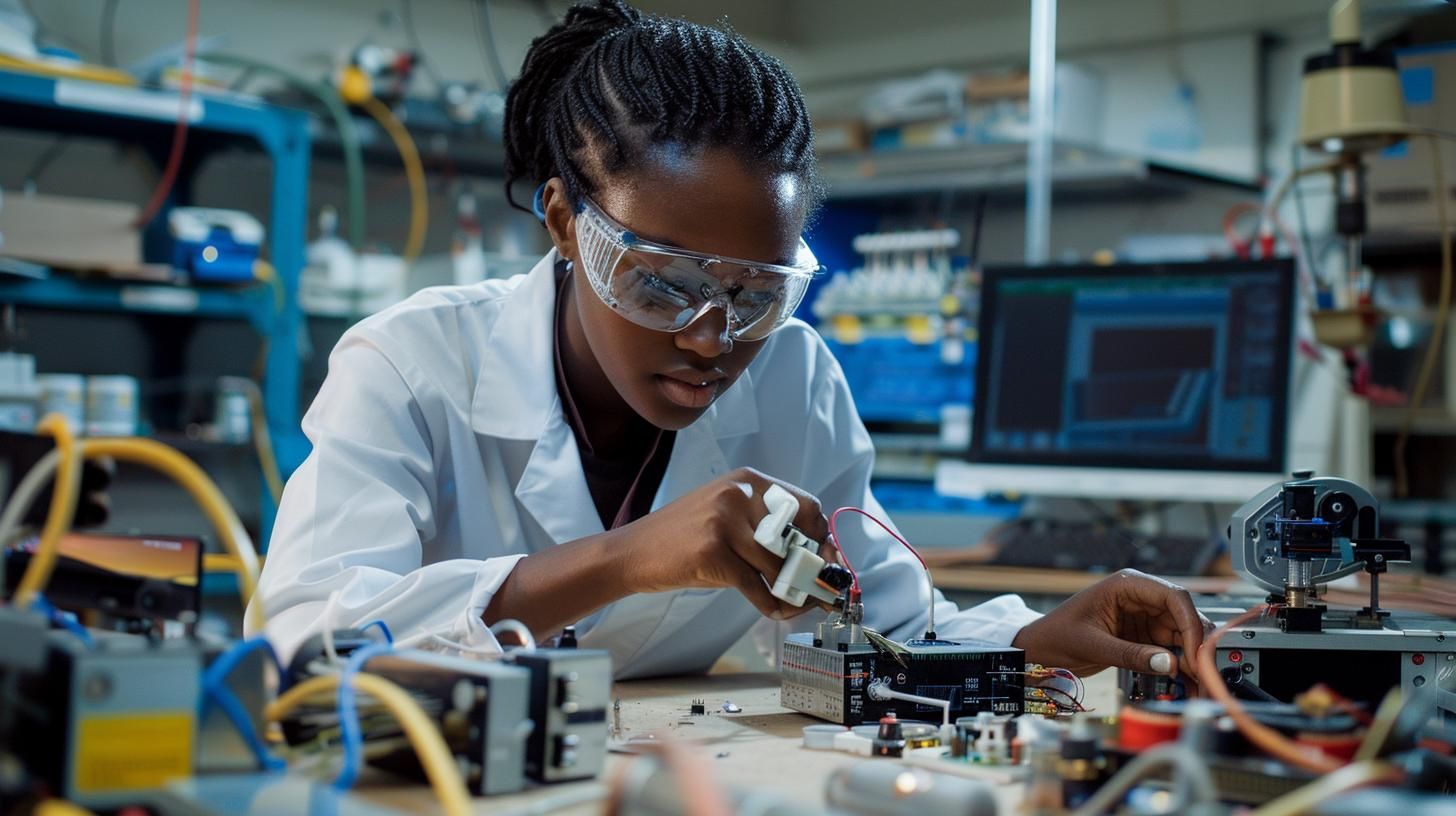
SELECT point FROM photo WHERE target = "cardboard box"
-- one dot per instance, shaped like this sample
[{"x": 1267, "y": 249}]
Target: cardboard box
[
  {"x": 1401, "y": 179},
  {"x": 78, "y": 234}
]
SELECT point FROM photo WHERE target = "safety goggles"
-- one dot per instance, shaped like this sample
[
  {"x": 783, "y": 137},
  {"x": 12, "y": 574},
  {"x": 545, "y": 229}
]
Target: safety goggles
[{"x": 666, "y": 288}]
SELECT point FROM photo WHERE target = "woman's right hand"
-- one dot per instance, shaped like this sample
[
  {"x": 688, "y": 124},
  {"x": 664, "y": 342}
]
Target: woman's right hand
[{"x": 705, "y": 539}]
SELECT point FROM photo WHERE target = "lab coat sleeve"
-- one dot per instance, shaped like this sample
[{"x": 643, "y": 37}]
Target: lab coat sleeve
[
  {"x": 348, "y": 540},
  {"x": 896, "y": 596}
]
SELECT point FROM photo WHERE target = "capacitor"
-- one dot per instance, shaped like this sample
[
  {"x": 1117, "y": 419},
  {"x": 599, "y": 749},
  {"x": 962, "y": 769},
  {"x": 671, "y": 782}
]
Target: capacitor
[
  {"x": 567, "y": 639},
  {"x": 890, "y": 741},
  {"x": 1079, "y": 763}
]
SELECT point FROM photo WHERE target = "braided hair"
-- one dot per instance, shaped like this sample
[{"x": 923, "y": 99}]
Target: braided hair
[{"x": 608, "y": 84}]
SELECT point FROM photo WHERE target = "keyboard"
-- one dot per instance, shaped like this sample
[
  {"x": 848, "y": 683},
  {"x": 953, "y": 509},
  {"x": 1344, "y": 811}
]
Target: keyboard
[{"x": 1097, "y": 548}]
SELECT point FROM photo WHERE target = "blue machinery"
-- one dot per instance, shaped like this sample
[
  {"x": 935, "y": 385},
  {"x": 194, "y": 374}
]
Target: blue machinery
[{"x": 147, "y": 118}]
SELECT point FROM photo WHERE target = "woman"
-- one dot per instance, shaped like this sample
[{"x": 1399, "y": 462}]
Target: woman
[{"x": 590, "y": 443}]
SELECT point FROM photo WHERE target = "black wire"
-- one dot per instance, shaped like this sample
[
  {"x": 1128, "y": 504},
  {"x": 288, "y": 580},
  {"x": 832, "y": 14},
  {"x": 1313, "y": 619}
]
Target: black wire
[
  {"x": 407, "y": 15},
  {"x": 108, "y": 33},
  {"x": 1303, "y": 224},
  {"x": 46, "y": 159},
  {"x": 980, "y": 218},
  {"x": 492, "y": 48}
]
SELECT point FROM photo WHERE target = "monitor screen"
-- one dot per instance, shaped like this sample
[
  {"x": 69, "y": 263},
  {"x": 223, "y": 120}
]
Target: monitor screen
[{"x": 1163, "y": 366}]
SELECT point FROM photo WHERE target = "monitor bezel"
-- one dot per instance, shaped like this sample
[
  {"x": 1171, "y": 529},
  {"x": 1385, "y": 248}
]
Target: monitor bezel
[{"x": 993, "y": 276}]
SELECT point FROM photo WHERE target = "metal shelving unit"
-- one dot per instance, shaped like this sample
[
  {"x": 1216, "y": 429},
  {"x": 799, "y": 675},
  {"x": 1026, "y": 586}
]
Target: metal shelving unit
[
  {"x": 1000, "y": 168},
  {"x": 147, "y": 117}
]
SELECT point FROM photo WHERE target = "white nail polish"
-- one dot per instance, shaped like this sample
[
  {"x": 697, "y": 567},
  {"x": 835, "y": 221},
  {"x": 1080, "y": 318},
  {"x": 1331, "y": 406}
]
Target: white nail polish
[{"x": 1162, "y": 663}]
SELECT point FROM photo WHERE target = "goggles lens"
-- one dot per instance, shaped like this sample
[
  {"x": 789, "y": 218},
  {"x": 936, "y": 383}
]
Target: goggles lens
[{"x": 666, "y": 289}]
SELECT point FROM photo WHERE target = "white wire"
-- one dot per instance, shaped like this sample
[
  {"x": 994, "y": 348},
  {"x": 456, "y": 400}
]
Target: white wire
[
  {"x": 881, "y": 690},
  {"x": 36, "y": 479},
  {"x": 516, "y": 628},
  {"x": 328, "y": 620},
  {"x": 460, "y": 647}
]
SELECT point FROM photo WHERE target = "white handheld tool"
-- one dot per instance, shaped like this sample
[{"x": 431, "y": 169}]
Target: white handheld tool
[{"x": 799, "y": 578}]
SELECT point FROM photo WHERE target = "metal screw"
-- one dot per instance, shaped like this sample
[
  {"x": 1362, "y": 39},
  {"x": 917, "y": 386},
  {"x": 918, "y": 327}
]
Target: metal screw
[{"x": 98, "y": 686}]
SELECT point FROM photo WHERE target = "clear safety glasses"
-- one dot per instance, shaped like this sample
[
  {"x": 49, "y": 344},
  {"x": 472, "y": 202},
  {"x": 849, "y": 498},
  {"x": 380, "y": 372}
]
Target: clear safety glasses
[{"x": 666, "y": 288}]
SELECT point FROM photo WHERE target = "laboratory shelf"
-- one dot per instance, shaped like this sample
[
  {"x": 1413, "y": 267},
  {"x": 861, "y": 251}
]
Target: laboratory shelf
[
  {"x": 254, "y": 304},
  {"x": 1001, "y": 168},
  {"x": 147, "y": 118}
]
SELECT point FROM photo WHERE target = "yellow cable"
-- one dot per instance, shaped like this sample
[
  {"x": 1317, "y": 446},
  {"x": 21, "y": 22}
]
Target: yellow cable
[
  {"x": 263, "y": 442},
  {"x": 217, "y": 562},
  {"x": 264, "y": 271},
  {"x": 262, "y": 437},
  {"x": 68, "y": 70},
  {"x": 204, "y": 491},
  {"x": 65, "y": 492},
  {"x": 434, "y": 755},
  {"x": 414, "y": 171},
  {"x": 1438, "y": 331},
  {"x": 1327, "y": 787},
  {"x": 59, "y": 807}
]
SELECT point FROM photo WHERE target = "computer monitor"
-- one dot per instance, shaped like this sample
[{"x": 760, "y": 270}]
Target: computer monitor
[{"x": 1157, "y": 381}]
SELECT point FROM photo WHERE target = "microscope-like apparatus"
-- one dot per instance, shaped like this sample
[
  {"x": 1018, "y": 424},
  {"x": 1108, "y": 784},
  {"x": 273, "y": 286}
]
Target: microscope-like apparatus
[{"x": 1294, "y": 539}]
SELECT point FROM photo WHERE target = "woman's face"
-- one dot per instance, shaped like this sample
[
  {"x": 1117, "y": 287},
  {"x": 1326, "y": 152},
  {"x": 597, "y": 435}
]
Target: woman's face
[{"x": 706, "y": 202}]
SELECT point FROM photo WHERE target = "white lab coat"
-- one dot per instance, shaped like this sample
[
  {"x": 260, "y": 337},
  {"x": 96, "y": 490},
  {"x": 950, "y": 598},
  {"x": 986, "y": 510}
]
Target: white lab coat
[{"x": 441, "y": 457}]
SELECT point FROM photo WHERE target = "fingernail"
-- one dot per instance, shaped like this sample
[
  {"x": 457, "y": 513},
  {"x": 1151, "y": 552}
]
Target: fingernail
[
  {"x": 1162, "y": 663},
  {"x": 776, "y": 615}
]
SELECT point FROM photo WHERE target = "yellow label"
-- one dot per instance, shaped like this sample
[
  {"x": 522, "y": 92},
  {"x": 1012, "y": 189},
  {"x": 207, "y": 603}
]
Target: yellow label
[
  {"x": 919, "y": 330},
  {"x": 133, "y": 751},
  {"x": 847, "y": 329}
]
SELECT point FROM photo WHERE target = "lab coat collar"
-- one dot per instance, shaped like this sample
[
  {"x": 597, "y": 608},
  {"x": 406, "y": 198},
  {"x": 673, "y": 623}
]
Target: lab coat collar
[{"x": 515, "y": 389}]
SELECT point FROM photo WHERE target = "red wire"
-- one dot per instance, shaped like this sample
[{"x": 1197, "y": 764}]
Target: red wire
[
  {"x": 834, "y": 537},
  {"x": 883, "y": 526},
  {"x": 179, "y": 136}
]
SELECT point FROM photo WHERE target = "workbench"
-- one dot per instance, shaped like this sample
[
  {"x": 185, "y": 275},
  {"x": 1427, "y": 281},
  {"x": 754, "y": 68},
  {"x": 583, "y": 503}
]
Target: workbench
[{"x": 757, "y": 749}]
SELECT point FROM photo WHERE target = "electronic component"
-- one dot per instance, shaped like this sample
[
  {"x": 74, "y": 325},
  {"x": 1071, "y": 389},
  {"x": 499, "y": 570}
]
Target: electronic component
[
  {"x": 804, "y": 574},
  {"x": 831, "y": 679},
  {"x": 214, "y": 245},
  {"x": 698, "y": 708},
  {"x": 102, "y": 724},
  {"x": 1293, "y": 538},
  {"x": 890, "y": 741},
  {"x": 126, "y": 577},
  {"x": 481, "y": 708},
  {"x": 570, "y": 689}
]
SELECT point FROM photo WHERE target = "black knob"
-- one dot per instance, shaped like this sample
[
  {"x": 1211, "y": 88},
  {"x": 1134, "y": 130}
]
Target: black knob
[
  {"x": 836, "y": 577},
  {"x": 1302, "y": 475}
]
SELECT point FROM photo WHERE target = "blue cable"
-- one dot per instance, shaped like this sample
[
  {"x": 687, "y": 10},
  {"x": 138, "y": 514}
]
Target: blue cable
[
  {"x": 215, "y": 689},
  {"x": 350, "y": 731},
  {"x": 383, "y": 629},
  {"x": 65, "y": 620}
]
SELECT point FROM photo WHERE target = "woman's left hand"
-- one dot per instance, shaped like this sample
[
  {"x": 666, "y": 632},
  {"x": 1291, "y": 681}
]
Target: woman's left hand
[{"x": 1129, "y": 620}]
